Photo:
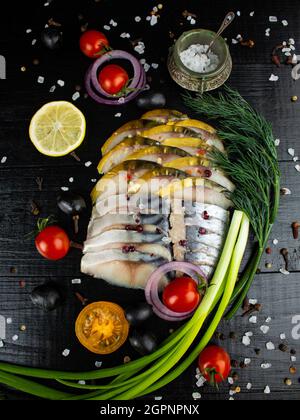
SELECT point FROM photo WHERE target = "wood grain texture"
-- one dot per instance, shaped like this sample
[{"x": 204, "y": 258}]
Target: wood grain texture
[{"x": 47, "y": 335}]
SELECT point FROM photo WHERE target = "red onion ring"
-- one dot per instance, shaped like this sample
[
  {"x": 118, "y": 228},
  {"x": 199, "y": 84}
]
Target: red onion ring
[
  {"x": 96, "y": 92},
  {"x": 151, "y": 290}
]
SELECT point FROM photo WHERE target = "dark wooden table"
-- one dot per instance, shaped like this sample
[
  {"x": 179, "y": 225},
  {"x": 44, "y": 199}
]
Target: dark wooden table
[{"x": 47, "y": 335}]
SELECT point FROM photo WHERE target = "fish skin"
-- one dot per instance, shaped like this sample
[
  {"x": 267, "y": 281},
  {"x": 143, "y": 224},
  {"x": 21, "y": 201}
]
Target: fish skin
[
  {"x": 210, "y": 239},
  {"x": 193, "y": 247},
  {"x": 108, "y": 255},
  {"x": 212, "y": 225},
  {"x": 193, "y": 209},
  {"x": 200, "y": 259}
]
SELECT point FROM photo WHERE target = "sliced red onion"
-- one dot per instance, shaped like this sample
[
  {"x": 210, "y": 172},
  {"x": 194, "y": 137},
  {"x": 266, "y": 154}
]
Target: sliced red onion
[
  {"x": 96, "y": 92},
  {"x": 151, "y": 291}
]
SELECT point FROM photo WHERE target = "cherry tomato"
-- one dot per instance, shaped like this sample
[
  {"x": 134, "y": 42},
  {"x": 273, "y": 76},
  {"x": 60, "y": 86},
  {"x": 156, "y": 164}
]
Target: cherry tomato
[
  {"x": 181, "y": 295},
  {"x": 92, "y": 43},
  {"x": 214, "y": 364},
  {"x": 52, "y": 243},
  {"x": 113, "y": 79}
]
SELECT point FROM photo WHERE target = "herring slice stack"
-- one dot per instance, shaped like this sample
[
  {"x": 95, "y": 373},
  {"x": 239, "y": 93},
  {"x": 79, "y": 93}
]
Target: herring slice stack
[{"x": 160, "y": 199}]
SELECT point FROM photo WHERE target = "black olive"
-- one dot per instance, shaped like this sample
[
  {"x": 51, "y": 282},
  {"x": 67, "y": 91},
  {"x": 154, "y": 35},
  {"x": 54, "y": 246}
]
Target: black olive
[
  {"x": 151, "y": 100},
  {"x": 47, "y": 296},
  {"x": 52, "y": 38},
  {"x": 138, "y": 314},
  {"x": 71, "y": 204},
  {"x": 143, "y": 342}
]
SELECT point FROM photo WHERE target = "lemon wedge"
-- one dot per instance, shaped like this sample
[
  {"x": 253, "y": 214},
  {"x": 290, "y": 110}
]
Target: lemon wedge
[{"x": 57, "y": 128}]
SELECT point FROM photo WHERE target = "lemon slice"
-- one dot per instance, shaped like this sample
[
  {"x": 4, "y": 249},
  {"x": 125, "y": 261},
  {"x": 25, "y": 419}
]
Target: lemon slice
[{"x": 57, "y": 128}]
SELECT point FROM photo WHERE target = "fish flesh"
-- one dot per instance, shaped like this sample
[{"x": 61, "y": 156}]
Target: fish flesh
[{"x": 157, "y": 203}]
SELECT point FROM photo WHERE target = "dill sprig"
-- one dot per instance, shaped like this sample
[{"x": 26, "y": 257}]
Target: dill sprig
[{"x": 252, "y": 164}]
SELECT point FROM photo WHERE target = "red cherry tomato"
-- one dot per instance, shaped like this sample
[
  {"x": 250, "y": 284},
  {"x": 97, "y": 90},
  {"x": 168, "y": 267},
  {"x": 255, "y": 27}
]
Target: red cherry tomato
[
  {"x": 113, "y": 79},
  {"x": 181, "y": 295},
  {"x": 92, "y": 43},
  {"x": 52, "y": 243},
  {"x": 214, "y": 364}
]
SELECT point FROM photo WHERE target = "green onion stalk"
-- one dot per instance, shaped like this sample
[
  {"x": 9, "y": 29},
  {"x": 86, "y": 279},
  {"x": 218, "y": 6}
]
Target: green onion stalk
[
  {"x": 252, "y": 164},
  {"x": 153, "y": 371}
]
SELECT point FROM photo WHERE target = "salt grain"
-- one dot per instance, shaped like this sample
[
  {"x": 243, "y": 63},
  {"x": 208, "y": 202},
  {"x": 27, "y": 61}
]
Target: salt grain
[
  {"x": 270, "y": 346},
  {"x": 93, "y": 180},
  {"x": 193, "y": 21},
  {"x": 125, "y": 35},
  {"x": 61, "y": 83},
  {"x": 283, "y": 270},
  {"x": 249, "y": 334},
  {"x": 106, "y": 27},
  {"x": 230, "y": 381},
  {"x": 253, "y": 320},
  {"x": 88, "y": 164},
  {"x": 159, "y": 398},
  {"x": 253, "y": 301},
  {"x": 153, "y": 20},
  {"x": 155, "y": 66},
  {"x": 264, "y": 329},
  {"x": 28, "y": 31},
  {"x": 9, "y": 321},
  {"x": 66, "y": 352},
  {"x": 1, "y": 344},
  {"x": 234, "y": 41},
  {"x": 140, "y": 47},
  {"x": 282, "y": 336},
  {"x": 196, "y": 396},
  {"x": 40, "y": 79},
  {"x": 268, "y": 320},
  {"x": 76, "y": 281},
  {"x": 266, "y": 366},
  {"x": 52, "y": 89},
  {"x": 201, "y": 381},
  {"x": 138, "y": 19},
  {"x": 238, "y": 13},
  {"x": 147, "y": 67},
  {"x": 15, "y": 337},
  {"x": 275, "y": 242},
  {"x": 246, "y": 341},
  {"x": 249, "y": 386},
  {"x": 3, "y": 159},
  {"x": 277, "y": 142},
  {"x": 252, "y": 14},
  {"x": 273, "y": 19},
  {"x": 285, "y": 22},
  {"x": 64, "y": 188},
  {"x": 293, "y": 359},
  {"x": 267, "y": 390},
  {"x": 76, "y": 96},
  {"x": 247, "y": 361},
  {"x": 33, "y": 42},
  {"x": 118, "y": 115},
  {"x": 81, "y": 382},
  {"x": 273, "y": 78},
  {"x": 98, "y": 364}
]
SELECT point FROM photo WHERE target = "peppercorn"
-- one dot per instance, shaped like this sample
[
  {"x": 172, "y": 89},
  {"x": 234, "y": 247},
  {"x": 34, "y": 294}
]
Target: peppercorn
[
  {"x": 257, "y": 351},
  {"x": 269, "y": 251},
  {"x": 293, "y": 352},
  {"x": 288, "y": 382},
  {"x": 23, "y": 327},
  {"x": 283, "y": 347},
  {"x": 294, "y": 98},
  {"x": 293, "y": 370},
  {"x": 126, "y": 359},
  {"x": 269, "y": 265}
]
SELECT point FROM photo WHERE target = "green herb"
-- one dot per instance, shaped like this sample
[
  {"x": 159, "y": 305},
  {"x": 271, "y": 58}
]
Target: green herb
[{"x": 251, "y": 163}]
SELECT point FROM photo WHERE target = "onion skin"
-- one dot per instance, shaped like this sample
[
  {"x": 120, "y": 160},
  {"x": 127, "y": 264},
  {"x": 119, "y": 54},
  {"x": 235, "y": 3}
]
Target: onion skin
[
  {"x": 96, "y": 92},
  {"x": 151, "y": 291}
]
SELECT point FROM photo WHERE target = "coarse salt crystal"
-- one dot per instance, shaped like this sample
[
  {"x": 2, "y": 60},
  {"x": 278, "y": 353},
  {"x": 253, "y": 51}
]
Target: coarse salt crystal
[
  {"x": 1, "y": 344},
  {"x": 252, "y": 14},
  {"x": 196, "y": 59},
  {"x": 81, "y": 382},
  {"x": 153, "y": 20},
  {"x": 234, "y": 41},
  {"x": 246, "y": 341},
  {"x": 193, "y": 21},
  {"x": 40, "y": 79},
  {"x": 249, "y": 334},
  {"x": 76, "y": 281},
  {"x": 253, "y": 319},
  {"x": 270, "y": 346},
  {"x": 138, "y": 19},
  {"x": 249, "y": 386},
  {"x": 267, "y": 390},
  {"x": 98, "y": 364},
  {"x": 65, "y": 188},
  {"x": 268, "y": 320},
  {"x": 52, "y": 89},
  {"x": 125, "y": 35},
  {"x": 275, "y": 242},
  {"x": 264, "y": 329},
  {"x": 159, "y": 398},
  {"x": 273, "y": 19},
  {"x": 253, "y": 301},
  {"x": 232, "y": 392},
  {"x": 93, "y": 180},
  {"x": 113, "y": 23},
  {"x": 266, "y": 366},
  {"x": 118, "y": 115},
  {"x": 140, "y": 47},
  {"x": 238, "y": 13},
  {"x": 147, "y": 67},
  {"x": 61, "y": 83},
  {"x": 292, "y": 41},
  {"x": 293, "y": 359},
  {"x": 28, "y": 31},
  {"x": 66, "y": 352},
  {"x": 155, "y": 66},
  {"x": 88, "y": 164},
  {"x": 273, "y": 78},
  {"x": 196, "y": 396},
  {"x": 15, "y": 337},
  {"x": 33, "y": 42},
  {"x": 285, "y": 22},
  {"x": 231, "y": 399},
  {"x": 106, "y": 27},
  {"x": 284, "y": 271},
  {"x": 4, "y": 159},
  {"x": 201, "y": 381},
  {"x": 148, "y": 18},
  {"x": 9, "y": 321},
  {"x": 247, "y": 361},
  {"x": 75, "y": 96},
  {"x": 277, "y": 142},
  {"x": 282, "y": 336},
  {"x": 230, "y": 381}
]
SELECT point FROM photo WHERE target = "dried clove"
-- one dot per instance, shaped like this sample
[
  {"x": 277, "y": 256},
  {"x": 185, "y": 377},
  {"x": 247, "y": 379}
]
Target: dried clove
[
  {"x": 75, "y": 156},
  {"x": 81, "y": 299},
  {"x": 39, "y": 182},
  {"x": 276, "y": 60},
  {"x": 295, "y": 227},
  {"x": 285, "y": 253},
  {"x": 34, "y": 208},
  {"x": 252, "y": 309},
  {"x": 248, "y": 43}
]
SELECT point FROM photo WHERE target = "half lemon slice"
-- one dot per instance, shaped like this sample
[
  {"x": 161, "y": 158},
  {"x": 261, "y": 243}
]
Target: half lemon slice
[{"x": 57, "y": 128}]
